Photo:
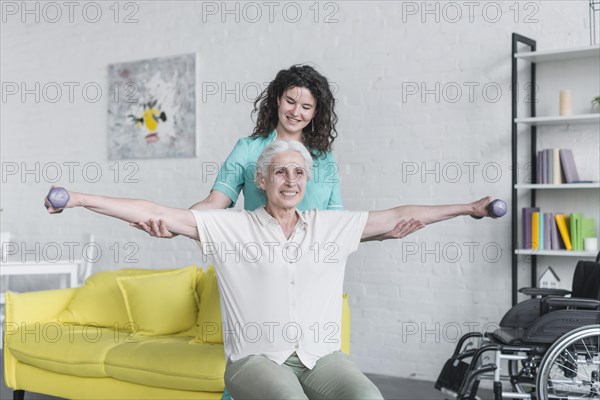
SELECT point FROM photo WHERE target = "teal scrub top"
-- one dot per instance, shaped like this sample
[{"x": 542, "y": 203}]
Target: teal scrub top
[{"x": 237, "y": 173}]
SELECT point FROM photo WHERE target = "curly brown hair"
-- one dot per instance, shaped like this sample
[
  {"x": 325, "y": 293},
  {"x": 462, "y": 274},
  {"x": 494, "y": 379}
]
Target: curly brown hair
[{"x": 321, "y": 132}]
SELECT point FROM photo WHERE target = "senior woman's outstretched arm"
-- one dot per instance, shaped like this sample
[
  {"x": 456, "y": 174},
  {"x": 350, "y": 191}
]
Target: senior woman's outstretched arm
[
  {"x": 178, "y": 220},
  {"x": 380, "y": 222}
]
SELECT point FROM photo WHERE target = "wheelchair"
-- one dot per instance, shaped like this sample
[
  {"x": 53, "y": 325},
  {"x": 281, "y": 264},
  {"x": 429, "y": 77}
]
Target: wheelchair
[{"x": 546, "y": 347}]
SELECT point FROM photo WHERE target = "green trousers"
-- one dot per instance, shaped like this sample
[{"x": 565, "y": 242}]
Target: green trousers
[{"x": 335, "y": 376}]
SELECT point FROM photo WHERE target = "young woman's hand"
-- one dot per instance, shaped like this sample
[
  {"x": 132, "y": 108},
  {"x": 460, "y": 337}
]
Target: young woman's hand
[
  {"x": 155, "y": 228},
  {"x": 402, "y": 229}
]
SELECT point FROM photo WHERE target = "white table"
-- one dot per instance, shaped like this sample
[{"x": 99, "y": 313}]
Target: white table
[{"x": 68, "y": 269}]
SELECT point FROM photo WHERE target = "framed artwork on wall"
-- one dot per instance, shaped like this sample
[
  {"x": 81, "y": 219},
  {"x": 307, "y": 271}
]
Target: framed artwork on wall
[{"x": 152, "y": 108}]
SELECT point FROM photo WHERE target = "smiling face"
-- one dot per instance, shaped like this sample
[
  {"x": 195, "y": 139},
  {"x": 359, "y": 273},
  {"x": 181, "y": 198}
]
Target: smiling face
[
  {"x": 286, "y": 181},
  {"x": 296, "y": 108}
]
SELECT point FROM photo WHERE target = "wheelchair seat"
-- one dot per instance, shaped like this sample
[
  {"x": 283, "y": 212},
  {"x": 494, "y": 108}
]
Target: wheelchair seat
[
  {"x": 586, "y": 285},
  {"x": 547, "y": 328},
  {"x": 545, "y": 319}
]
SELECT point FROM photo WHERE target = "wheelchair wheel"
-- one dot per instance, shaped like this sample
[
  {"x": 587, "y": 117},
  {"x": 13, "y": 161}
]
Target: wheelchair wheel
[{"x": 571, "y": 366}]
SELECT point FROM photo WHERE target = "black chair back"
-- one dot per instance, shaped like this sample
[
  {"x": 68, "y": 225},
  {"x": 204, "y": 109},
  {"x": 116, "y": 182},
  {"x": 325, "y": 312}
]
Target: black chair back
[{"x": 586, "y": 280}]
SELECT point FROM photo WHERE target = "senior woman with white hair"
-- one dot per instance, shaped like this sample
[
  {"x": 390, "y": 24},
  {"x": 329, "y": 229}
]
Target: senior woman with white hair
[{"x": 280, "y": 272}]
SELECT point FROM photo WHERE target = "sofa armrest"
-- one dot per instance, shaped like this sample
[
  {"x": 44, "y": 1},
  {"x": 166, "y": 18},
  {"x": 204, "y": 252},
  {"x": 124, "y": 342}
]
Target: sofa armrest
[
  {"x": 29, "y": 308},
  {"x": 41, "y": 306}
]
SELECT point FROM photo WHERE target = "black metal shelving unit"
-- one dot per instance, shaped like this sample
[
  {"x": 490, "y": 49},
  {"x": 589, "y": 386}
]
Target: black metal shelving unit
[{"x": 516, "y": 39}]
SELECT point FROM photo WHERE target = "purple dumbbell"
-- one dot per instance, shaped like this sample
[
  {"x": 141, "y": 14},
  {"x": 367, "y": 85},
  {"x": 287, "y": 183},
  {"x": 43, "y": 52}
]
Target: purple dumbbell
[
  {"x": 497, "y": 208},
  {"x": 58, "y": 197}
]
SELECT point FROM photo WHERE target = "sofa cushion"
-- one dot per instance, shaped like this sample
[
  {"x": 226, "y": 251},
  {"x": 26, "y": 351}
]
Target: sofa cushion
[
  {"x": 209, "y": 323},
  {"x": 171, "y": 362},
  {"x": 100, "y": 302},
  {"x": 162, "y": 303},
  {"x": 65, "y": 349}
]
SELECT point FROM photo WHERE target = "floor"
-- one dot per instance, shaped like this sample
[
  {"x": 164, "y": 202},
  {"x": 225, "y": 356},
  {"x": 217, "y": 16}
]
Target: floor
[{"x": 392, "y": 388}]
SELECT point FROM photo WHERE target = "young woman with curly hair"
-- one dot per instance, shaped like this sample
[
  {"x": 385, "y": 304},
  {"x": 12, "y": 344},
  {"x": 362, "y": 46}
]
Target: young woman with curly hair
[{"x": 297, "y": 105}]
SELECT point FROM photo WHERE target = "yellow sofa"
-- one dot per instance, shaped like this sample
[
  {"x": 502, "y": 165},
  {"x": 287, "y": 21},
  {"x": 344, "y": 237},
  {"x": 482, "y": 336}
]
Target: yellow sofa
[{"x": 127, "y": 334}]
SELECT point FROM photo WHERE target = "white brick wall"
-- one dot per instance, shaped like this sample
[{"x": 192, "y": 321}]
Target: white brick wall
[{"x": 373, "y": 52}]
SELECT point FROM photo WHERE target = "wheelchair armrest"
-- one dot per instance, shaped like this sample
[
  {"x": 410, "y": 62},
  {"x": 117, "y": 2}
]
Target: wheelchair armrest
[
  {"x": 571, "y": 302},
  {"x": 544, "y": 292}
]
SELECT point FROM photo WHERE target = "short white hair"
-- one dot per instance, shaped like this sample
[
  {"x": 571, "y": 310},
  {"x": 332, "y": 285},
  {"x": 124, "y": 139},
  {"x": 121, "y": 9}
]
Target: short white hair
[{"x": 277, "y": 147}]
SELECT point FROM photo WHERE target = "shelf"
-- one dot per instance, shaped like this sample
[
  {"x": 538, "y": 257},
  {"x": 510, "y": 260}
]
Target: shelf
[
  {"x": 565, "y": 186},
  {"x": 588, "y": 119},
  {"x": 561, "y": 54},
  {"x": 557, "y": 253},
  {"x": 560, "y": 120}
]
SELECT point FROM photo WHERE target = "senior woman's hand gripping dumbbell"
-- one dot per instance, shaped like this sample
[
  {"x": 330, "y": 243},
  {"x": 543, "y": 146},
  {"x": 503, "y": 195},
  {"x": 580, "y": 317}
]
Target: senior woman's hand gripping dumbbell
[
  {"x": 497, "y": 208},
  {"x": 58, "y": 198}
]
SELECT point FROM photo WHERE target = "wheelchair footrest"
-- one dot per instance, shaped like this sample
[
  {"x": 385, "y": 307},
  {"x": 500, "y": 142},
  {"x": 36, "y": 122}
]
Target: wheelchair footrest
[{"x": 452, "y": 375}]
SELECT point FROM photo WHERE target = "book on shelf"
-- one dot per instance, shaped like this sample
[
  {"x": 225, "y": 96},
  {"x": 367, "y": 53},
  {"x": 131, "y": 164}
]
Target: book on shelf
[
  {"x": 547, "y": 231},
  {"x": 549, "y": 167},
  {"x": 575, "y": 224},
  {"x": 557, "y": 240},
  {"x": 535, "y": 230},
  {"x": 526, "y": 222},
  {"x": 556, "y": 166},
  {"x": 562, "y": 221},
  {"x": 555, "y": 231},
  {"x": 581, "y": 228},
  {"x": 557, "y": 177},
  {"x": 543, "y": 166},
  {"x": 588, "y": 228},
  {"x": 568, "y": 165}
]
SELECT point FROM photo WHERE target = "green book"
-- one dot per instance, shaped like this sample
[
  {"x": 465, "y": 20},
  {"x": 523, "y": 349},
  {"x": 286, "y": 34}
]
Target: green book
[
  {"x": 576, "y": 238},
  {"x": 588, "y": 228}
]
